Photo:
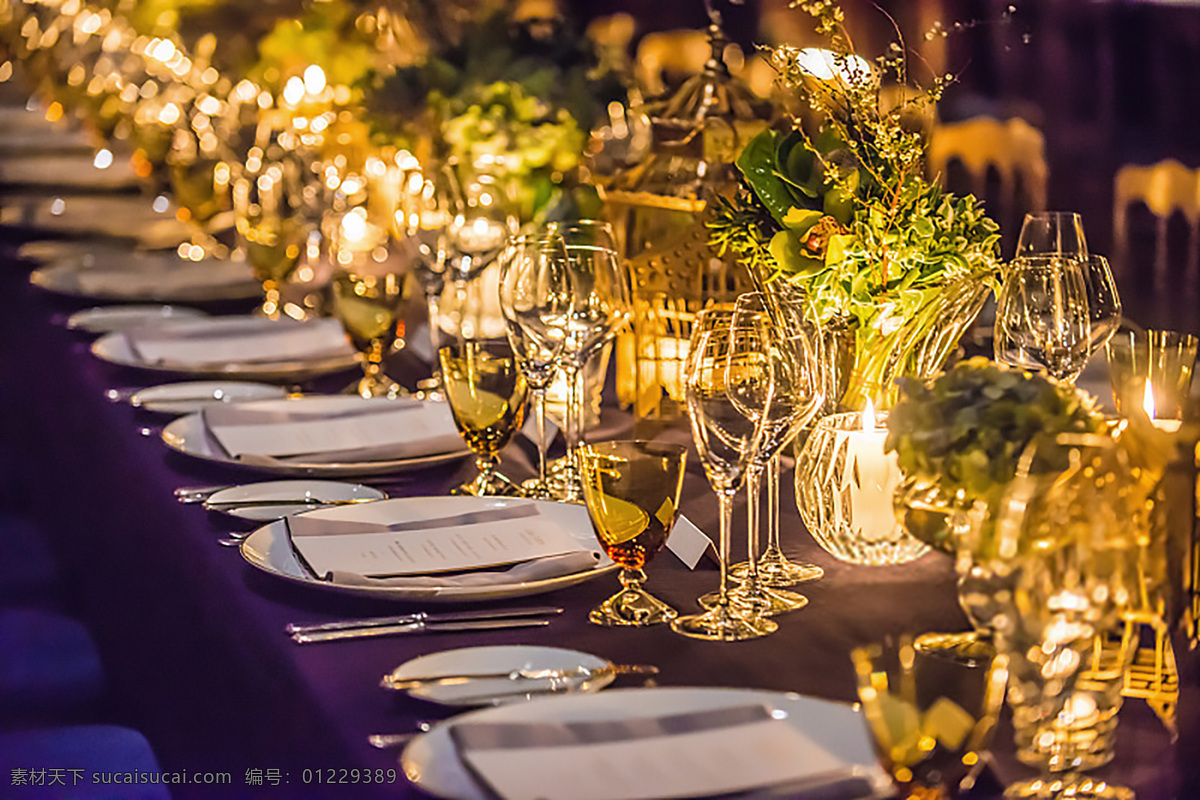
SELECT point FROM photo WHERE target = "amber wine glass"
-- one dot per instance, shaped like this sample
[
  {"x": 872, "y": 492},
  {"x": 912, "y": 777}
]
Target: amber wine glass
[
  {"x": 486, "y": 391},
  {"x": 272, "y": 228},
  {"x": 370, "y": 306},
  {"x": 631, "y": 489},
  {"x": 931, "y": 713}
]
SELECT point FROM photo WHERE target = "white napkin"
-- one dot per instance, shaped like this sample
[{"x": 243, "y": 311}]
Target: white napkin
[
  {"x": 77, "y": 170},
  {"x": 165, "y": 277},
  {"x": 247, "y": 340},
  {"x": 691, "y": 754},
  {"x": 421, "y": 552},
  {"x": 323, "y": 430}
]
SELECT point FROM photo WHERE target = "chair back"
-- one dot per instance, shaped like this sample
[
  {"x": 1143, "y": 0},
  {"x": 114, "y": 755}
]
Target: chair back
[
  {"x": 1164, "y": 188},
  {"x": 1014, "y": 149},
  {"x": 666, "y": 57}
]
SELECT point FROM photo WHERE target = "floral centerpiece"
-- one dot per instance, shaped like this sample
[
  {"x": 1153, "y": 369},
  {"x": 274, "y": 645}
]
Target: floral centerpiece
[
  {"x": 958, "y": 439},
  {"x": 839, "y": 205},
  {"x": 520, "y": 93}
]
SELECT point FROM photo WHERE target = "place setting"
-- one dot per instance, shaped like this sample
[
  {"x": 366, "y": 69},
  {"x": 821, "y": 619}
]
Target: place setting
[{"x": 137, "y": 276}]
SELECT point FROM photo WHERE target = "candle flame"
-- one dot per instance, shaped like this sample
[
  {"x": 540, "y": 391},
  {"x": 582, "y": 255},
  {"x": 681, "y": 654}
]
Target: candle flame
[
  {"x": 1148, "y": 401},
  {"x": 868, "y": 416}
]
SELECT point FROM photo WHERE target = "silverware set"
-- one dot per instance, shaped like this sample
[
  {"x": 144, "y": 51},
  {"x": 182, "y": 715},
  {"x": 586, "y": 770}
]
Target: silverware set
[{"x": 422, "y": 622}]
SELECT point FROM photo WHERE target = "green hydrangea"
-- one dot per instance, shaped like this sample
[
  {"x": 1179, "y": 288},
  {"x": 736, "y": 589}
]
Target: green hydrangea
[{"x": 968, "y": 427}]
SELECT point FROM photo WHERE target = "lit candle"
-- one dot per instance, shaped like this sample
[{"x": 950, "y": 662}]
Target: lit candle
[
  {"x": 1148, "y": 404},
  {"x": 870, "y": 476}
]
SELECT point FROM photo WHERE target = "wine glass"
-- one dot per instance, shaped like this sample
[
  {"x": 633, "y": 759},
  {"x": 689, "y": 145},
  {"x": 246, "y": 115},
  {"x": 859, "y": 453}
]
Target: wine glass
[
  {"x": 1059, "y": 235},
  {"x": 583, "y": 300},
  {"x": 521, "y": 286},
  {"x": 269, "y": 202},
  {"x": 931, "y": 713},
  {"x": 631, "y": 489},
  {"x": 486, "y": 392},
  {"x": 1056, "y": 233},
  {"x": 1071, "y": 521},
  {"x": 799, "y": 397},
  {"x": 1043, "y": 320},
  {"x": 419, "y": 226},
  {"x": 726, "y": 440}
]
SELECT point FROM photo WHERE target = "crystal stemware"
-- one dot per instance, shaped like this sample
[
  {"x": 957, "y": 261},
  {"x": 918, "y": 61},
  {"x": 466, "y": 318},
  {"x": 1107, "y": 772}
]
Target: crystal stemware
[
  {"x": 584, "y": 298},
  {"x": 1052, "y": 233},
  {"x": 799, "y": 397},
  {"x": 1043, "y": 321},
  {"x": 369, "y": 301},
  {"x": 631, "y": 489},
  {"x": 486, "y": 391},
  {"x": 419, "y": 226},
  {"x": 726, "y": 440},
  {"x": 521, "y": 287},
  {"x": 931, "y": 713}
]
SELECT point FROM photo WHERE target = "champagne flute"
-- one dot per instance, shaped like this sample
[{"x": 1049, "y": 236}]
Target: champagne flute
[
  {"x": 521, "y": 285},
  {"x": 486, "y": 392},
  {"x": 799, "y": 397},
  {"x": 726, "y": 440},
  {"x": 632, "y": 489},
  {"x": 1043, "y": 321},
  {"x": 931, "y": 713}
]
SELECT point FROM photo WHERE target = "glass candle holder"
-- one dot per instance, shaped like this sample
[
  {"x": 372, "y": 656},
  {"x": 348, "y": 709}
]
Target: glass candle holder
[
  {"x": 845, "y": 483},
  {"x": 1152, "y": 371}
]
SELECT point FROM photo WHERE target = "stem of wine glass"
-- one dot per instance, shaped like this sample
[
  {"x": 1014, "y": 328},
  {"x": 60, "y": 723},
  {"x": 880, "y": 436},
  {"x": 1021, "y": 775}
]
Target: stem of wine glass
[
  {"x": 753, "y": 518},
  {"x": 632, "y": 579},
  {"x": 435, "y": 339},
  {"x": 574, "y": 428},
  {"x": 773, "y": 545},
  {"x": 725, "y": 501},
  {"x": 539, "y": 412}
]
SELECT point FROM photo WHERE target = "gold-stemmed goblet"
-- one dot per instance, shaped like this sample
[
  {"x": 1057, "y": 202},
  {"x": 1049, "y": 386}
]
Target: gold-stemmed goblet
[
  {"x": 931, "y": 713},
  {"x": 726, "y": 440},
  {"x": 370, "y": 305},
  {"x": 486, "y": 391},
  {"x": 631, "y": 489}
]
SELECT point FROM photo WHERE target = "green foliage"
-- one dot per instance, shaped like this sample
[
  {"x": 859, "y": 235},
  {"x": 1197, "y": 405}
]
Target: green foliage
[{"x": 968, "y": 427}]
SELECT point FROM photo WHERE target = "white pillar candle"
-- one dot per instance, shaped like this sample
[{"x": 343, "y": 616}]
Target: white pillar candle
[
  {"x": 1148, "y": 404},
  {"x": 870, "y": 477}
]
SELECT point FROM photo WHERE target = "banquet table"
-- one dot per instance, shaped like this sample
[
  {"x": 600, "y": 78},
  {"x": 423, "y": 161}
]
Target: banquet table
[{"x": 192, "y": 637}]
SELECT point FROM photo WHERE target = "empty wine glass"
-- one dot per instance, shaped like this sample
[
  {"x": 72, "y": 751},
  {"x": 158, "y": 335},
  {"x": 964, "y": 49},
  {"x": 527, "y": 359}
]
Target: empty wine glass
[
  {"x": 486, "y": 392},
  {"x": 631, "y": 489},
  {"x": 726, "y": 440},
  {"x": 800, "y": 395},
  {"x": 522, "y": 285},
  {"x": 779, "y": 410},
  {"x": 1052, "y": 233},
  {"x": 583, "y": 300},
  {"x": 1043, "y": 322},
  {"x": 1104, "y": 303}
]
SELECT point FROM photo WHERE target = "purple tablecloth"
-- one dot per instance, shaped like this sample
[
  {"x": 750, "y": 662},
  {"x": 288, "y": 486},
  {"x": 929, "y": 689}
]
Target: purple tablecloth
[{"x": 192, "y": 636}]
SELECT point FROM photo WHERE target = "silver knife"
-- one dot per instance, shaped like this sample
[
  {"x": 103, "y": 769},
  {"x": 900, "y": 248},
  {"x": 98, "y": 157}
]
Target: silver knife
[
  {"x": 425, "y": 616},
  {"x": 416, "y": 627}
]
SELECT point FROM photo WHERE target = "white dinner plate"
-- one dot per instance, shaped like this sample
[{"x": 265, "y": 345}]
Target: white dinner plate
[
  {"x": 431, "y": 760},
  {"x": 118, "y": 318},
  {"x": 257, "y": 495},
  {"x": 114, "y": 348},
  {"x": 188, "y": 397},
  {"x": 132, "y": 275},
  {"x": 270, "y": 550},
  {"x": 124, "y": 216},
  {"x": 190, "y": 436},
  {"x": 493, "y": 660},
  {"x": 78, "y": 171}
]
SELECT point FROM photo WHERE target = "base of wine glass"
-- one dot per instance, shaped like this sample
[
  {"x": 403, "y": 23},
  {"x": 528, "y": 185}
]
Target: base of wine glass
[
  {"x": 777, "y": 571},
  {"x": 632, "y": 607},
  {"x": 1068, "y": 786},
  {"x": 488, "y": 484},
  {"x": 722, "y": 624},
  {"x": 563, "y": 482},
  {"x": 763, "y": 603},
  {"x": 431, "y": 389},
  {"x": 372, "y": 387},
  {"x": 534, "y": 489},
  {"x": 960, "y": 645}
]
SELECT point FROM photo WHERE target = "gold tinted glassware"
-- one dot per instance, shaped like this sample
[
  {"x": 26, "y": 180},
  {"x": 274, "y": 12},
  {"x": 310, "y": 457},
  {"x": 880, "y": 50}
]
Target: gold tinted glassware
[
  {"x": 486, "y": 392},
  {"x": 931, "y": 713},
  {"x": 631, "y": 489},
  {"x": 1151, "y": 371},
  {"x": 371, "y": 309}
]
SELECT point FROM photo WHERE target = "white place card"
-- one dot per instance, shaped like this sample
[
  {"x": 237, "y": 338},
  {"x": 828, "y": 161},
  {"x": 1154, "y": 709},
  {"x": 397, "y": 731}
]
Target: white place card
[
  {"x": 468, "y": 541},
  {"x": 651, "y": 758},
  {"x": 206, "y": 343},
  {"x": 689, "y": 543},
  {"x": 424, "y": 427}
]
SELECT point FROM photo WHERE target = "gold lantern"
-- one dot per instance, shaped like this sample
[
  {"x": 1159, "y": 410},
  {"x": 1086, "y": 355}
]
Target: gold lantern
[{"x": 659, "y": 208}]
